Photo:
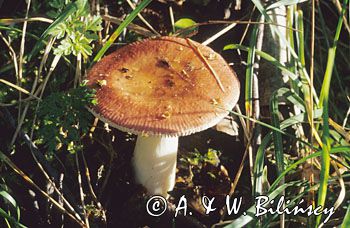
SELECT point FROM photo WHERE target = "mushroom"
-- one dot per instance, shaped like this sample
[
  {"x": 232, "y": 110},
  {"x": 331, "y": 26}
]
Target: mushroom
[{"x": 161, "y": 89}]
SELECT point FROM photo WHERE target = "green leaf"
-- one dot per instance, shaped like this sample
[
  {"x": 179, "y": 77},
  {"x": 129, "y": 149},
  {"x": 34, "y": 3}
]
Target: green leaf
[
  {"x": 83, "y": 7},
  {"x": 324, "y": 104},
  {"x": 8, "y": 197},
  {"x": 57, "y": 128},
  {"x": 69, "y": 10},
  {"x": 93, "y": 24},
  {"x": 60, "y": 31},
  {"x": 10, "y": 201},
  {"x": 212, "y": 157},
  {"x": 65, "y": 48},
  {"x": 277, "y": 136},
  {"x": 184, "y": 23},
  {"x": 11, "y": 219},
  {"x": 346, "y": 221}
]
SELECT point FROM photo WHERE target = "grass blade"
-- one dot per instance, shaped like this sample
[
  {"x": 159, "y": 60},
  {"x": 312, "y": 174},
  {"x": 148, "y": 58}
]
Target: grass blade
[
  {"x": 12, "y": 201},
  {"x": 120, "y": 29},
  {"x": 323, "y": 103},
  {"x": 302, "y": 69},
  {"x": 292, "y": 97},
  {"x": 346, "y": 221},
  {"x": 259, "y": 166},
  {"x": 268, "y": 58},
  {"x": 20, "y": 89},
  {"x": 10, "y": 219},
  {"x": 340, "y": 149},
  {"x": 259, "y": 160},
  {"x": 8, "y": 161},
  {"x": 250, "y": 74},
  {"x": 277, "y": 136}
]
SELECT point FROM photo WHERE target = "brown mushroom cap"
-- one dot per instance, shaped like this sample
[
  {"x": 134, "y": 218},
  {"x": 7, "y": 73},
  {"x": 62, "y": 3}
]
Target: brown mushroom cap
[{"x": 163, "y": 86}]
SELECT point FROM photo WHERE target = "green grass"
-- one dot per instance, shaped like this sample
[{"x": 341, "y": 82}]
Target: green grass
[
  {"x": 120, "y": 29},
  {"x": 59, "y": 48}
]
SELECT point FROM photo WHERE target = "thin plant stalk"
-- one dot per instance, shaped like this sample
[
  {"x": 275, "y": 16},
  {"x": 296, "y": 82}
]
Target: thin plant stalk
[
  {"x": 120, "y": 29},
  {"x": 20, "y": 62},
  {"x": 324, "y": 104},
  {"x": 172, "y": 20},
  {"x": 81, "y": 191},
  {"x": 143, "y": 19},
  {"x": 41, "y": 89},
  {"x": 5, "y": 159},
  {"x": 311, "y": 194}
]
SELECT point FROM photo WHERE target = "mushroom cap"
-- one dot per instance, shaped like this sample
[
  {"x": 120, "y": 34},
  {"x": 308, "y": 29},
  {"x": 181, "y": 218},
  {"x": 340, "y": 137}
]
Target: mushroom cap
[{"x": 163, "y": 86}]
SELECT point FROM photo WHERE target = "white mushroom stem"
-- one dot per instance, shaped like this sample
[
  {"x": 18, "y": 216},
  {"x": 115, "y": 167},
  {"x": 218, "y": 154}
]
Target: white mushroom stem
[{"x": 155, "y": 163}]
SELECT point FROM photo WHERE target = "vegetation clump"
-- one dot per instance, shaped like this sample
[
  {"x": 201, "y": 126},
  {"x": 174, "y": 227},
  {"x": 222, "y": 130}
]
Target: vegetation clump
[{"x": 288, "y": 135}]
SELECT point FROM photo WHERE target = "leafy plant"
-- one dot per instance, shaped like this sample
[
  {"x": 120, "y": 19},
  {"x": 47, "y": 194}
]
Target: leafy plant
[
  {"x": 9, "y": 208},
  {"x": 64, "y": 119},
  {"x": 50, "y": 41},
  {"x": 76, "y": 35},
  {"x": 197, "y": 159},
  {"x": 74, "y": 27}
]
